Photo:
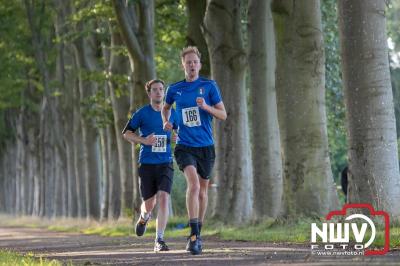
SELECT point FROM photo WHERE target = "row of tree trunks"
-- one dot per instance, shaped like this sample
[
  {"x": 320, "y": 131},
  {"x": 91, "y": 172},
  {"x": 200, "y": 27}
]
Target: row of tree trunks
[{"x": 61, "y": 161}]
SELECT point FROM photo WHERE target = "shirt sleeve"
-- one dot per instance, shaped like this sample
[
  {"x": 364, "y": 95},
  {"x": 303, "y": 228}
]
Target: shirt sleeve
[
  {"x": 215, "y": 95},
  {"x": 169, "y": 98},
  {"x": 133, "y": 123}
]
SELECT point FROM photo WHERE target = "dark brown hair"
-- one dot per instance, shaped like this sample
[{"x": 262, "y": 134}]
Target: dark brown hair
[{"x": 151, "y": 82}]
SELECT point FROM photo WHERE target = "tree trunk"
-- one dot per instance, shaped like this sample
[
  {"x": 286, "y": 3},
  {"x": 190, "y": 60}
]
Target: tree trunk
[
  {"x": 86, "y": 59},
  {"x": 194, "y": 37},
  {"x": 137, "y": 31},
  {"x": 228, "y": 64},
  {"x": 267, "y": 162},
  {"x": 373, "y": 158},
  {"x": 20, "y": 161},
  {"x": 70, "y": 110},
  {"x": 10, "y": 173},
  {"x": 119, "y": 65},
  {"x": 78, "y": 157},
  {"x": 308, "y": 181},
  {"x": 104, "y": 175},
  {"x": 114, "y": 210},
  {"x": 138, "y": 34}
]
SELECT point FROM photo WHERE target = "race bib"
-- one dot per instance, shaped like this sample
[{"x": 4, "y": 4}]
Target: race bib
[
  {"x": 161, "y": 144},
  {"x": 191, "y": 117}
]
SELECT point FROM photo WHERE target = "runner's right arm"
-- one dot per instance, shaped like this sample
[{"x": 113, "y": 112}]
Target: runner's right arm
[
  {"x": 134, "y": 138},
  {"x": 130, "y": 128},
  {"x": 165, "y": 114}
]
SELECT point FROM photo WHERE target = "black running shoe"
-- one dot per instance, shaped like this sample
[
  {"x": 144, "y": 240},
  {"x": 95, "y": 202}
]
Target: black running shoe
[
  {"x": 200, "y": 243},
  {"x": 141, "y": 224},
  {"x": 193, "y": 245},
  {"x": 160, "y": 245}
]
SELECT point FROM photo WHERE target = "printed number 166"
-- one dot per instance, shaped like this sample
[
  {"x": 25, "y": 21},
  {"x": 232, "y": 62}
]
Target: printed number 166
[{"x": 191, "y": 116}]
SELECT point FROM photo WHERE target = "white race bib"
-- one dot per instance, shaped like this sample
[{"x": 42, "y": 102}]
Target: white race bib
[
  {"x": 161, "y": 144},
  {"x": 191, "y": 117}
]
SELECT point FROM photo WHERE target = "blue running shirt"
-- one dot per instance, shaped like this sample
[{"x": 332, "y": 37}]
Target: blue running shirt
[
  {"x": 194, "y": 124},
  {"x": 148, "y": 121}
]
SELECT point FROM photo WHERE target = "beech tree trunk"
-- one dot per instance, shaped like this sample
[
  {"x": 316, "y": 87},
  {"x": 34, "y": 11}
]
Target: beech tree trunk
[
  {"x": 267, "y": 161},
  {"x": 373, "y": 175},
  {"x": 228, "y": 64}
]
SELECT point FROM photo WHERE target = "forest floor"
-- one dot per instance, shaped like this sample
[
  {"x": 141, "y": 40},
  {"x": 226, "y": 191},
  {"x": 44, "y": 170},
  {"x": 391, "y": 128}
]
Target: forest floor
[{"x": 80, "y": 249}]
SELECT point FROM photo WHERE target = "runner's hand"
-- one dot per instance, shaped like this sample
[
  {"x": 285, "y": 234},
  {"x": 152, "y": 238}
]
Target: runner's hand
[
  {"x": 201, "y": 103},
  {"x": 150, "y": 140},
  {"x": 167, "y": 126}
]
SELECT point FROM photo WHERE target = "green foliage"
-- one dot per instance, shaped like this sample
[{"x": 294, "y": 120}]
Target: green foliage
[
  {"x": 91, "y": 17},
  {"x": 16, "y": 65},
  {"x": 14, "y": 56},
  {"x": 393, "y": 22},
  {"x": 334, "y": 89},
  {"x": 99, "y": 108}
]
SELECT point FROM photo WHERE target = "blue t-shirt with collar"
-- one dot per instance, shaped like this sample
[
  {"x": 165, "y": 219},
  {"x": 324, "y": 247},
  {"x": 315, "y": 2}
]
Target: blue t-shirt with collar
[
  {"x": 149, "y": 121},
  {"x": 194, "y": 124}
]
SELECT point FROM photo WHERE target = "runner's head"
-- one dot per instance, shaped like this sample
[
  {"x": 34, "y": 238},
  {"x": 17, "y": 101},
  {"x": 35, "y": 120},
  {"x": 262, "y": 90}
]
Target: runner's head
[
  {"x": 190, "y": 57},
  {"x": 155, "y": 90}
]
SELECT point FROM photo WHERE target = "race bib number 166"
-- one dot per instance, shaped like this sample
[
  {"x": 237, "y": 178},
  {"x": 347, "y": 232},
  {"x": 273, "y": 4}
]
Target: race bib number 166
[{"x": 191, "y": 117}]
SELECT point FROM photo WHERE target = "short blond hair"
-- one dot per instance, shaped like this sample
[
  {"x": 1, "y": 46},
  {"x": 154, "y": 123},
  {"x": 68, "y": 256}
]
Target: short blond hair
[{"x": 189, "y": 50}]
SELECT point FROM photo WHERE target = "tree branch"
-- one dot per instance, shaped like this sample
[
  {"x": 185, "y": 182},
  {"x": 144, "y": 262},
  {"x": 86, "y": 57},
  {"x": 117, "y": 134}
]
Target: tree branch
[{"x": 128, "y": 34}]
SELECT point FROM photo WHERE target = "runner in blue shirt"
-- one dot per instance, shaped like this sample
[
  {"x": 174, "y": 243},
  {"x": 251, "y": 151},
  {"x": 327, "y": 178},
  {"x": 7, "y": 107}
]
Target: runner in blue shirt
[
  {"x": 197, "y": 100},
  {"x": 155, "y": 159}
]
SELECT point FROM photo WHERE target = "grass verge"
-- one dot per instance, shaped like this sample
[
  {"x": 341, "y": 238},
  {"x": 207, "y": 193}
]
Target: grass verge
[
  {"x": 282, "y": 231},
  {"x": 11, "y": 258}
]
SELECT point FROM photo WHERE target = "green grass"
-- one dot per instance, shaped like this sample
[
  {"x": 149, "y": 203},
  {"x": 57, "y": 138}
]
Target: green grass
[
  {"x": 269, "y": 231},
  {"x": 11, "y": 258}
]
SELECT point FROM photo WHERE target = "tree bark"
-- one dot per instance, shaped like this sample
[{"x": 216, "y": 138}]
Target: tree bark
[
  {"x": 373, "y": 158},
  {"x": 87, "y": 61},
  {"x": 228, "y": 64},
  {"x": 46, "y": 115},
  {"x": 114, "y": 210},
  {"x": 78, "y": 155},
  {"x": 194, "y": 36},
  {"x": 119, "y": 65},
  {"x": 308, "y": 181},
  {"x": 267, "y": 162},
  {"x": 137, "y": 31}
]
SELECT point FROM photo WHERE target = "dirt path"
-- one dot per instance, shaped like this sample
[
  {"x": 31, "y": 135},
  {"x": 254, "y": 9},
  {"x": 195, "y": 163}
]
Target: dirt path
[{"x": 97, "y": 250}]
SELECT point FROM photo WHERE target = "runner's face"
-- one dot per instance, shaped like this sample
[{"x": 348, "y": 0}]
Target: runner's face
[
  {"x": 191, "y": 64},
  {"x": 156, "y": 93}
]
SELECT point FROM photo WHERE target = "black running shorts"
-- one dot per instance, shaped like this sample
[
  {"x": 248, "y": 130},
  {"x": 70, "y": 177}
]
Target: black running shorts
[
  {"x": 155, "y": 177},
  {"x": 202, "y": 158}
]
